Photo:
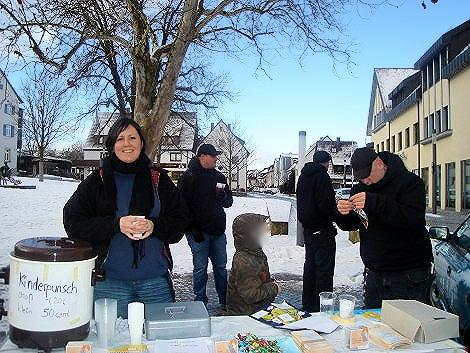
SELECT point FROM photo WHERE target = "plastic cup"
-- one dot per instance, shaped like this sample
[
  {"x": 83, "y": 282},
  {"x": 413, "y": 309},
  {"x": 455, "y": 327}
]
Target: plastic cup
[
  {"x": 135, "y": 319},
  {"x": 347, "y": 303},
  {"x": 135, "y": 331},
  {"x": 327, "y": 302},
  {"x": 105, "y": 319}
]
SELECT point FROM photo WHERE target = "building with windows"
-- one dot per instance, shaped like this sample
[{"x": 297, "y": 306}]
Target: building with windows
[
  {"x": 341, "y": 151},
  {"x": 233, "y": 162},
  {"x": 175, "y": 152},
  {"x": 423, "y": 114},
  {"x": 11, "y": 116},
  {"x": 282, "y": 166}
]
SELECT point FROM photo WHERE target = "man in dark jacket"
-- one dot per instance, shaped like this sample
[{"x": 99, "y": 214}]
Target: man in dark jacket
[
  {"x": 316, "y": 210},
  {"x": 395, "y": 247},
  {"x": 206, "y": 193}
]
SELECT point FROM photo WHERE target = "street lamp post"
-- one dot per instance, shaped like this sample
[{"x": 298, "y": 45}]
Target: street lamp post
[{"x": 434, "y": 172}]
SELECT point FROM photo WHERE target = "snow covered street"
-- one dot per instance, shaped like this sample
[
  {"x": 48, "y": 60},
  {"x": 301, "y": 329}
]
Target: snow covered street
[{"x": 31, "y": 213}]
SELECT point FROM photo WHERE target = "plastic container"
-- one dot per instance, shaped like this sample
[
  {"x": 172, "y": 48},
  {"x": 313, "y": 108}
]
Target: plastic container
[{"x": 176, "y": 320}]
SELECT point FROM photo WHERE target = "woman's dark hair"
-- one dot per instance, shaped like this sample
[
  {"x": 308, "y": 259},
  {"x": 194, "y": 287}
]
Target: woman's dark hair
[{"x": 119, "y": 126}]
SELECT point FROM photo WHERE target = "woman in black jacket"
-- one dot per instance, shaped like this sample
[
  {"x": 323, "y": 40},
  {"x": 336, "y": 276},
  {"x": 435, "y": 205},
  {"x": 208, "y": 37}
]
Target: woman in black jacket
[{"x": 130, "y": 212}]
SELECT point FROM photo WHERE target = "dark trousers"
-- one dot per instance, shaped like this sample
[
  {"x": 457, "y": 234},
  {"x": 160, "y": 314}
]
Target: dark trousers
[
  {"x": 412, "y": 285},
  {"x": 319, "y": 268}
]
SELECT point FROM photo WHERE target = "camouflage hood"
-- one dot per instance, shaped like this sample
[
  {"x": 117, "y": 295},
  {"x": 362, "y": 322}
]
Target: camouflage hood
[{"x": 247, "y": 229}]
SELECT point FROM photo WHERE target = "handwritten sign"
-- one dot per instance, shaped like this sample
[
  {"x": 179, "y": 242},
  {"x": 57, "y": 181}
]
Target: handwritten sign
[{"x": 50, "y": 296}]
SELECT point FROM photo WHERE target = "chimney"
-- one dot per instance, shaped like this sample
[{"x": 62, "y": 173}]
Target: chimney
[
  {"x": 338, "y": 139},
  {"x": 229, "y": 127},
  {"x": 212, "y": 126},
  {"x": 302, "y": 150}
]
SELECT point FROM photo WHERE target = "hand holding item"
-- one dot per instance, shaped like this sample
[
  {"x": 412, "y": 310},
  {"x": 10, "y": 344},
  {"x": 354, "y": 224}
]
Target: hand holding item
[
  {"x": 345, "y": 206},
  {"x": 358, "y": 200},
  {"x": 135, "y": 227}
]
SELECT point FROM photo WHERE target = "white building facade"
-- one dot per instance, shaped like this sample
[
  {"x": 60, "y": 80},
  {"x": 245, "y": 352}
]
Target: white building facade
[
  {"x": 233, "y": 162},
  {"x": 11, "y": 116}
]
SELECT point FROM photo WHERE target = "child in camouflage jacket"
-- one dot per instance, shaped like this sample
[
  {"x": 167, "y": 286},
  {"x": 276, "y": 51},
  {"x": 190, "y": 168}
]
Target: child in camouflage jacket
[{"x": 250, "y": 285}]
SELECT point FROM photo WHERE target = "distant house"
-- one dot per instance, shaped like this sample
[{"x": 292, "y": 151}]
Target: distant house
[
  {"x": 11, "y": 116},
  {"x": 175, "y": 152},
  {"x": 282, "y": 164},
  {"x": 341, "y": 151},
  {"x": 266, "y": 177},
  {"x": 233, "y": 161}
]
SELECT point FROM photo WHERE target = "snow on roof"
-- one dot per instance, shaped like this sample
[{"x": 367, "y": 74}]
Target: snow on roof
[
  {"x": 181, "y": 125},
  {"x": 388, "y": 79}
]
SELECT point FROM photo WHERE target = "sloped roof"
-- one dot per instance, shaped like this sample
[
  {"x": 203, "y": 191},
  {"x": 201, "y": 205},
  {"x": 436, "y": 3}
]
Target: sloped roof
[
  {"x": 385, "y": 80},
  {"x": 2, "y": 74},
  {"x": 181, "y": 124}
]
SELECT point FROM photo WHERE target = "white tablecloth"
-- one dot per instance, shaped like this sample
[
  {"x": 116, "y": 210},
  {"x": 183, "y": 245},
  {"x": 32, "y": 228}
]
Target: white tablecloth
[{"x": 225, "y": 327}]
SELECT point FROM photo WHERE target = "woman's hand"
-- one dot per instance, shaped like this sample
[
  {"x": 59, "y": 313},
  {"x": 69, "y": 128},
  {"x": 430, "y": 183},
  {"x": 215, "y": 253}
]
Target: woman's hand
[{"x": 136, "y": 228}]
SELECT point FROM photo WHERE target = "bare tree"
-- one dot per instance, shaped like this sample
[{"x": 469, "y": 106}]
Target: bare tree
[
  {"x": 73, "y": 152},
  {"x": 230, "y": 139},
  {"x": 46, "y": 115},
  {"x": 145, "y": 49}
]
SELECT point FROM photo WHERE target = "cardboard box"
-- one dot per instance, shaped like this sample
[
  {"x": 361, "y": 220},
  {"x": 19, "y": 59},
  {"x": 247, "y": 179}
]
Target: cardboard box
[{"x": 418, "y": 321}]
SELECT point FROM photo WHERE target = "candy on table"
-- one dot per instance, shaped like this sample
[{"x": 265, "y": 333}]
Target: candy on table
[{"x": 250, "y": 343}]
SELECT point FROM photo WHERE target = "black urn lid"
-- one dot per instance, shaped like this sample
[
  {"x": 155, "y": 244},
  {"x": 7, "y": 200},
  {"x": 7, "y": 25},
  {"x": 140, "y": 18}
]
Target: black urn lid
[{"x": 51, "y": 249}]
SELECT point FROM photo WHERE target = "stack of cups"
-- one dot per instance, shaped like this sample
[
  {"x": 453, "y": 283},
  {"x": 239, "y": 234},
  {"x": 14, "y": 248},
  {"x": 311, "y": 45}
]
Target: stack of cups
[
  {"x": 347, "y": 304},
  {"x": 135, "y": 319},
  {"x": 105, "y": 319}
]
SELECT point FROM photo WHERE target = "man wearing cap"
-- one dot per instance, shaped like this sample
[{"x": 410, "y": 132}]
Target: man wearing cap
[
  {"x": 395, "y": 247},
  {"x": 206, "y": 194},
  {"x": 316, "y": 210}
]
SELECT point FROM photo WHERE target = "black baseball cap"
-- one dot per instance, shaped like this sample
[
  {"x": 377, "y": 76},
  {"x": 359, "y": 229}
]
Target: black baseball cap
[
  {"x": 361, "y": 162},
  {"x": 321, "y": 157},
  {"x": 207, "y": 148}
]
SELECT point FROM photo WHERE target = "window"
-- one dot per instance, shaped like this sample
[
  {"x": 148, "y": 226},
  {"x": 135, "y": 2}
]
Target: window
[
  {"x": 424, "y": 76},
  {"x": 9, "y": 109},
  {"x": 426, "y": 127},
  {"x": 7, "y": 155},
  {"x": 437, "y": 70},
  {"x": 438, "y": 185},
  {"x": 425, "y": 177},
  {"x": 407, "y": 137},
  {"x": 462, "y": 235},
  {"x": 382, "y": 146},
  {"x": 388, "y": 145},
  {"x": 430, "y": 75},
  {"x": 438, "y": 123},
  {"x": 1, "y": 85},
  {"x": 8, "y": 130},
  {"x": 450, "y": 185},
  {"x": 415, "y": 133},
  {"x": 101, "y": 140},
  {"x": 393, "y": 144},
  {"x": 445, "y": 119},
  {"x": 175, "y": 157},
  {"x": 466, "y": 184},
  {"x": 400, "y": 141},
  {"x": 431, "y": 125},
  {"x": 377, "y": 148},
  {"x": 444, "y": 58}
]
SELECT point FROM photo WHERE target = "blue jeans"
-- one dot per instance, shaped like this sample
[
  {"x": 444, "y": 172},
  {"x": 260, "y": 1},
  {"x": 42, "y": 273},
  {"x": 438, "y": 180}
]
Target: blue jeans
[
  {"x": 214, "y": 248},
  {"x": 147, "y": 291}
]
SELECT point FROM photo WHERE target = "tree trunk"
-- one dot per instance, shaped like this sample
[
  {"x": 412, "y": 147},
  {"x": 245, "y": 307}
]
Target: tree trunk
[
  {"x": 41, "y": 164},
  {"x": 153, "y": 118}
]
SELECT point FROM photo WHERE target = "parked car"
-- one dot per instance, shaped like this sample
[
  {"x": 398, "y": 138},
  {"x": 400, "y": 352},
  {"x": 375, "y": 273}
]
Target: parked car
[
  {"x": 450, "y": 289},
  {"x": 343, "y": 193}
]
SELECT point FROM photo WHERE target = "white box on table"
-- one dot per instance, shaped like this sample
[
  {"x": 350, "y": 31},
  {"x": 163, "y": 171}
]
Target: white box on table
[{"x": 419, "y": 322}]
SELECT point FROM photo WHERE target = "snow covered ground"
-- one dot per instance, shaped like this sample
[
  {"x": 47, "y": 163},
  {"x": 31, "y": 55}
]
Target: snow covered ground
[{"x": 31, "y": 213}]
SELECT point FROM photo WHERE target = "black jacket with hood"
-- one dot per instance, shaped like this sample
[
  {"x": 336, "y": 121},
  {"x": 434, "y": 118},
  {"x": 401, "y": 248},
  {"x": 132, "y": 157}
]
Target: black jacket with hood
[
  {"x": 396, "y": 238},
  {"x": 205, "y": 205},
  {"x": 316, "y": 204}
]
